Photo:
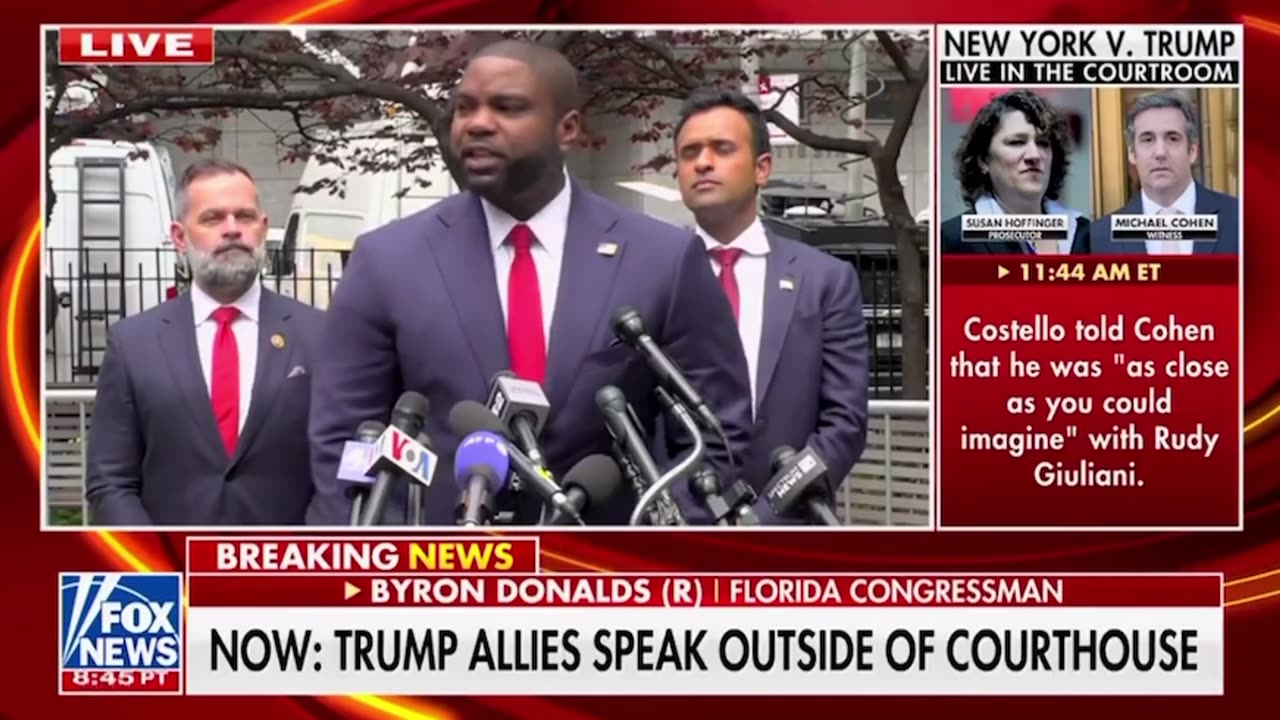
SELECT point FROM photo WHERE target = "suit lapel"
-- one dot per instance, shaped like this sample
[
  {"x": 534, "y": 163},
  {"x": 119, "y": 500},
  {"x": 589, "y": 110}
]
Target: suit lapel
[
  {"x": 1133, "y": 207},
  {"x": 781, "y": 287},
  {"x": 466, "y": 268},
  {"x": 182, "y": 355},
  {"x": 592, "y": 255},
  {"x": 272, "y": 367},
  {"x": 1204, "y": 206}
]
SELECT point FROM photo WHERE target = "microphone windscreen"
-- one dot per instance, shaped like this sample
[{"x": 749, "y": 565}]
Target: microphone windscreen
[
  {"x": 627, "y": 324},
  {"x": 413, "y": 403},
  {"x": 410, "y": 412},
  {"x": 482, "y": 453},
  {"x": 780, "y": 455},
  {"x": 610, "y": 397},
  {"x": 470, "y": 416},
  {"x": 369, "y": 431},
  {"x": 598, "y": 476}
]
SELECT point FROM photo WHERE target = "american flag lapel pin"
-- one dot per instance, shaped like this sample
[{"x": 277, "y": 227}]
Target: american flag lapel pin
[
  {"x": 607, "y": 249},
  {"x": 787, "y": 283}
]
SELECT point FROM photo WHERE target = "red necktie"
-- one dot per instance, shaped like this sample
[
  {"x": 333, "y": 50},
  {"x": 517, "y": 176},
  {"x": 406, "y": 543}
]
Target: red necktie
[
  {"x": 524, "y": 310},
  {"x": 225, "y": 378},
  {"x": 726, "y": 257}
]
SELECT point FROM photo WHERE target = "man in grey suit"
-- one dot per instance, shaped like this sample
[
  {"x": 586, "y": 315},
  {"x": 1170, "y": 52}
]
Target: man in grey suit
[
  {"x": 521, "y": 272},
  {"x": 1163, "y": 135},
  {"x": 799, "y": 310},
  {"x": 201, "y": 403}
]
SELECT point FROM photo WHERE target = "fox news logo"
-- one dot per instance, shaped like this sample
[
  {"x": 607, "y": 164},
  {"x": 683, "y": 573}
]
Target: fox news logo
[{"x": 120, "y": 621}]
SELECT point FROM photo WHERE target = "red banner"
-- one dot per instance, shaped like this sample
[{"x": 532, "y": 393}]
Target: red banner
[{"x": 1090, "y": 392}]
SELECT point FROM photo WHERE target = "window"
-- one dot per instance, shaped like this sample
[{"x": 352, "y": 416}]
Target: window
[
  {"x": 166, "y": 169},
  {"x": 884, "y": 104},
  {"x": 285, "y": 259},
  {"x": 329, "y": 238}
]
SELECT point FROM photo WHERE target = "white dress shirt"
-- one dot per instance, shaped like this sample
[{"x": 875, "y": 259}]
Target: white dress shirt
[
  {"x": 550, "y": 226},
  {"x": 750, "y": 274},
  {"x": 244, "y": 327},
  {"x": 1184, "y": 205}
]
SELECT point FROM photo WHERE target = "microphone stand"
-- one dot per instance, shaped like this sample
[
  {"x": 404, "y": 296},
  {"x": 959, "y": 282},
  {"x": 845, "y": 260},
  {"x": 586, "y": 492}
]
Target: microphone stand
[
  {"x": 630, "y": 471},
  {"x": 740, "y": 497},
  {"x": 357, "y": 504},
  {"x": 820, "y": 511},
  {"x": 413, "y": 511},
  {"x": 680, "y": 470}
]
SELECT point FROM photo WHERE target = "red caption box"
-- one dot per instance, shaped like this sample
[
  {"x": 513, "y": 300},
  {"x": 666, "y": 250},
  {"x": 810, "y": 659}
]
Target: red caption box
[{"x": 1090, "y": 393}]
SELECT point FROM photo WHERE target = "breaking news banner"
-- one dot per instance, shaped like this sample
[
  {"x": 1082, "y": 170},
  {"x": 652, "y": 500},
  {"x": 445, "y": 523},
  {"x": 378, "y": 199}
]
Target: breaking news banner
[
  {"x": 328, "y": 616},
  {"x": 1090, "y": 324}
]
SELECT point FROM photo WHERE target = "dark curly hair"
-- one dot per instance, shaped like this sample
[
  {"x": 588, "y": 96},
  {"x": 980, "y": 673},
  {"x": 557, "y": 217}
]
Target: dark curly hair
[{"x": 976, "y": 145}]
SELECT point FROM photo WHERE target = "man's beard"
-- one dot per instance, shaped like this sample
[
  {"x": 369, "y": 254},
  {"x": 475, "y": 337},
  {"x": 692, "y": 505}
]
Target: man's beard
[
  {"x": 519, "y": 176},
  {"x": 231, "y": 268}
]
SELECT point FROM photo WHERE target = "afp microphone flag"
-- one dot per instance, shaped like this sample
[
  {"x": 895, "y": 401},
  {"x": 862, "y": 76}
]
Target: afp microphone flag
[{"x": 461, "y": 616}]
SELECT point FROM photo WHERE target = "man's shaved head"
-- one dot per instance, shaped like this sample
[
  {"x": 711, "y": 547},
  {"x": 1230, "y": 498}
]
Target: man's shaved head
[{"x": 549, "y": 65}]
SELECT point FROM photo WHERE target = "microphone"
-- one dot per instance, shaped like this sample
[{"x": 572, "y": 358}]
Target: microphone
[
  {"x": 726, "y": 507},
  {"x": 414, "y": 508},
  {"x": 522, "y": 406},
  {"x": 595, "y": 479},
  {"x": 470, "y": 416},
  {"x": 355, "y": 461},
  {"x": 798, "y": 488},
  {"x": 742, "y": 496},
  {"x": 619, "y": 421},
  {"x": 634, "y": 456},
  {"x": 629, "y": 328},
  {"x": 480, "y": 468},
  {"x": 397, "y": 454}
]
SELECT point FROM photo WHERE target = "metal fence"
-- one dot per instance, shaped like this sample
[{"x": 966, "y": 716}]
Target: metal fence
[
  {"x": 89, "y": 290},
  {"x": 889, "y": 485}
]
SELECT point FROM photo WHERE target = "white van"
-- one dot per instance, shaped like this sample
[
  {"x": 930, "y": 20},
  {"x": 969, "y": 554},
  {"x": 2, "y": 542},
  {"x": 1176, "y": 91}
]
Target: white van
[
  {"x": 323, "y": 225},
  {"x": 107, "y": 251}
]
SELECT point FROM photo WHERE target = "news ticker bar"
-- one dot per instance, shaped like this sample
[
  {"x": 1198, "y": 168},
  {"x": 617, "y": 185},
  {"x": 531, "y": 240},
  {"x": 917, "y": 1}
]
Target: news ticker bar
[
  {"x": 1091, "y": 271},
  {"x": 705, "y": 651},
  {"x": 701, "y": 590}
]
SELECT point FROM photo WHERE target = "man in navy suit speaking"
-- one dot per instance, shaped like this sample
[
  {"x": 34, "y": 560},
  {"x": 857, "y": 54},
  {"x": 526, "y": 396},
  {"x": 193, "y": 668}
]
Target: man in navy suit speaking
[
  {"x": 799, "y": 310},
  {"x": 520, "y": 272}
]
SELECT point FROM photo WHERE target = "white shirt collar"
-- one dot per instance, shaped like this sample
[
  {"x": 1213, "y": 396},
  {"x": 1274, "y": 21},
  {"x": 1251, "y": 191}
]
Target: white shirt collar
[
  {"x": 752, "y": 241},
  {"x": 203, "y": 306},
  {"x": 1185, "y": 204},
  {"x": 549, "y": 225}
]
